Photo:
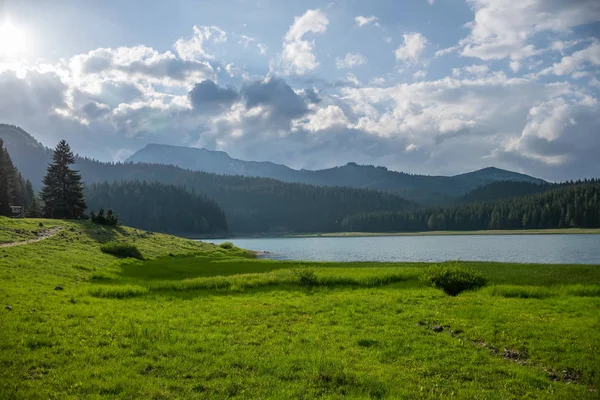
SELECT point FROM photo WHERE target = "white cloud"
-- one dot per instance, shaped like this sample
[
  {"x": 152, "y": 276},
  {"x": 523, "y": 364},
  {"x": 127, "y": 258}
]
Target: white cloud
[
  {"x": 143, "y": 63},
  {"x": 557, "y": 130},
  {"x": 298, "y": 54},
  {"x": 351, "y": 60},
  {"x": 194, "y": 47},
  {"x": 515, "y": 66},
  {"x": 262, "y": 48},
  {"x": 502, "y": 28},
  {"x": 411, "y": 147},
  {"x": 572, "y": 63},
  {"x": 471, "y": 70},
  {"x": 325, "y": 118},
  {"x": 561, "y": 45},
  {"x": 445, "y": 51},
  {"x": 411, "y": 49},
  {"x": 246, "y": 41},
  {"x": 361, "y": 21},
  {"x": 419, "y": 74}
]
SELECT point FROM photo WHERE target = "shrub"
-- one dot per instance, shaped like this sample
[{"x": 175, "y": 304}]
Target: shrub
[
  {"x": 110, "y": 219},
  {"x": 452, "y": 278},
  {"x": 226, "y": 245},
  {"x": 306, "y": 277},
  {"x": 121, "y": 250}
]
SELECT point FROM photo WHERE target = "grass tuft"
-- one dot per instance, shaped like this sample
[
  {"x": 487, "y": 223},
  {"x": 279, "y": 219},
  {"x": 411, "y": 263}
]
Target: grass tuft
[
  {"x": 118, "y": 292},
  {"x": 121, "y": 250},
  {"x": 522, "y": 292}
]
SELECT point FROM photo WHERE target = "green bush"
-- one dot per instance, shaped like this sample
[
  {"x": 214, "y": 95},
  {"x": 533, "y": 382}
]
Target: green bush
[
  {"x": 452, "y": 278},
  {"x": 226, "y": 245},
  {"x": 306, "y": 277},
  {"x": 121, "y": 250}
]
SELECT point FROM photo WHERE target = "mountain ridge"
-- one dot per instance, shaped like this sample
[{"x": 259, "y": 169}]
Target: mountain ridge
[{"x": 430, "y": 189}]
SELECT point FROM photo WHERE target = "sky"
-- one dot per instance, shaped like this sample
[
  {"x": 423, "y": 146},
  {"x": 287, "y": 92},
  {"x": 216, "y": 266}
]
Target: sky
[{"x": 435, "y": 87}]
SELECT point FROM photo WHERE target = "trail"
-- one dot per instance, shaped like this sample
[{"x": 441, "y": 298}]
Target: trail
[{"x": 48, "y": 233}]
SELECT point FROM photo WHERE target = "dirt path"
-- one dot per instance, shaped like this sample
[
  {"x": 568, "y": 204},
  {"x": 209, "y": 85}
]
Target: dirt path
[{"x": 45, "y": 234}]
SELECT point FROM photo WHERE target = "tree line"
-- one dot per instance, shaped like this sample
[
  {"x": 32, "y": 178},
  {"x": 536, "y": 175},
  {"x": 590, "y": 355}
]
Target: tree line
[
  {"x": 568, "y": 205},
  {"x": 157, "y": 207},
  {"x": 14, "y": 189}
]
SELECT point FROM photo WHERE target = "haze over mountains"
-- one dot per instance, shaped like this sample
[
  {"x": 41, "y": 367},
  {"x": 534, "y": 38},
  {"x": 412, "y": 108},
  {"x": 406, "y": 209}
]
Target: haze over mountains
[{"x": 421, "y": 188}]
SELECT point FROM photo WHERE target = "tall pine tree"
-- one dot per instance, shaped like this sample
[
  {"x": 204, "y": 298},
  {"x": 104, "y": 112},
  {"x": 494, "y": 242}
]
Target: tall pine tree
[{"x": 63, "y": 190}]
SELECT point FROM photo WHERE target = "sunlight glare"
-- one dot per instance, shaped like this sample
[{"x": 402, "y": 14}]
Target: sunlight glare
[{"x": 13, "y": 40}]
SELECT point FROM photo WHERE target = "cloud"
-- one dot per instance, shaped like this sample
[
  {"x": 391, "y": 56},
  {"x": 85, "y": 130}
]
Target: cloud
[
  {"x": 502, "y": 28},
  {"x": 140, "y": 62},
  {"x": 419, "y": 74},
  {"x": 559, "y": 133},
  {"x": 246, "y": 41},
  {"x": 207, "y": 97},
  {"x": 445, "y": 51},
  {"x": 298, "y": 54},
  {"x": 472, "y": 70},
  {"x": 411, "y": 49},
  {"x": 576, "y": 61},
  {"x": 411, "y": 147},
  {"x": 324, "y": 118},
  {"x": 33, "y": 95},
  {"x": 194, "y": 48},
  {"x": 351, "y": 60},
  {"x": 277, "y": 97},
  {"x": 311, "y": 95},
  {"x": 362, "y": 21}
]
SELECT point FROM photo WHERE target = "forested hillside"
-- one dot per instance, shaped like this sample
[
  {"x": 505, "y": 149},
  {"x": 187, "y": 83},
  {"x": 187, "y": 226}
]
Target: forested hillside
[
  {"x": 157, "y": 207},
  {"x": 565, "y": 206},
  {"x": 258, "y": 204},
  {"x": 503, "y": 190}
]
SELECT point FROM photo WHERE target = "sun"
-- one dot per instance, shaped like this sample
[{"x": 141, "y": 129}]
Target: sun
[{"x": 13, "y": 39}]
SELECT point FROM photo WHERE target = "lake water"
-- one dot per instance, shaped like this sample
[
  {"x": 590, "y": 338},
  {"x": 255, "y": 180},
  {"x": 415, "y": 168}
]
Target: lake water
[{"x": 551, "y": 249}]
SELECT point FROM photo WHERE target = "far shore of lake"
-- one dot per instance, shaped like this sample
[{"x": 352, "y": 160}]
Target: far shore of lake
[{"x": 579, "y": 231}]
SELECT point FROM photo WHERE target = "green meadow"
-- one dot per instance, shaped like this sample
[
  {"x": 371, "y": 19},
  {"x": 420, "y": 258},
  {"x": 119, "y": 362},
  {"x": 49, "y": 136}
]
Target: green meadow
[{"x": 84, "y": 316}]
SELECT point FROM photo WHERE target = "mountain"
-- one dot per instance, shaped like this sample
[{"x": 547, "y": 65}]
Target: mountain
[
  {"x": 421, "y": 188},
  {"x": 251, "y": 204},
  {"x": 217, "y": 162}
]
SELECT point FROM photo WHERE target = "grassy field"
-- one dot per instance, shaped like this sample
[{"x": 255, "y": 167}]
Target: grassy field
[
  {"x": 195, "y": 320},
  {"x": 443, "y": 233}
]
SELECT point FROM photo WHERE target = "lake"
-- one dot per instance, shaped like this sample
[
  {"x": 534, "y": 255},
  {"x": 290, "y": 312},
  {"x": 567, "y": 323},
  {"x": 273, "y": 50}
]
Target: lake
[{"x": 551, "y": 249}]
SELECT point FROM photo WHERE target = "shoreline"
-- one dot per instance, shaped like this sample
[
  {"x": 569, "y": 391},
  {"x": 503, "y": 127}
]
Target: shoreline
[{"x": 570, "y": 231}]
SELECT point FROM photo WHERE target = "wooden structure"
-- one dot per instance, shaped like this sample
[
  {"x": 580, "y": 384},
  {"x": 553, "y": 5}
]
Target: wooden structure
[{"x": 16, "y": 212}]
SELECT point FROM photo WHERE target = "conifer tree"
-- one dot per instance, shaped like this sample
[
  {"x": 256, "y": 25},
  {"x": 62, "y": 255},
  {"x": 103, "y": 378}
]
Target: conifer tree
[
  {"x": 63, "y": 190},
  {"x": 7, "y": 180},
  {"x": 34, "y": 209}
]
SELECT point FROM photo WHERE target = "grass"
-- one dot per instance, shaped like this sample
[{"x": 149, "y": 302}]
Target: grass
[
  {"x": 194, "y": 320},
  {"x": 17, "y": 230},
  {"x": 121, "y": 250},
  {"x": 579, "y": 231}
]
